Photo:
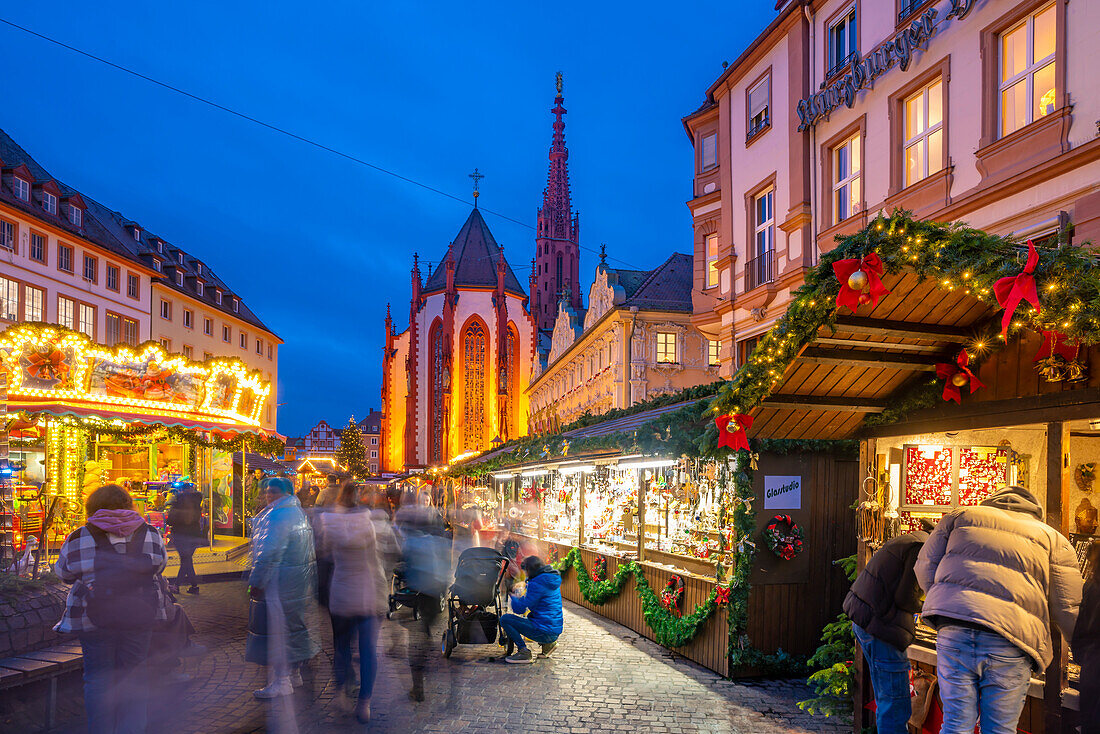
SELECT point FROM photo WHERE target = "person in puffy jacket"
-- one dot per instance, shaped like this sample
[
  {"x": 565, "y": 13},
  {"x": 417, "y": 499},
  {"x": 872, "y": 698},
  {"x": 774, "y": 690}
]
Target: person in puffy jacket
[
  {"x": 282, "y": 586},
  {"x": 1086, "y": 643},
  {"x": 542, "y": 602},
  {"x": 992, "y": 576},
  {"x": 881, "y": 605},
  {"x": 185, "y": 519}
]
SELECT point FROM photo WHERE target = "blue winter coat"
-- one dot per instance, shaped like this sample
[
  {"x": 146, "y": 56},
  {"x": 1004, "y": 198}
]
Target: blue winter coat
[
  {"x": 542, "y": 602},
  {"x": 283, "y": 567}
]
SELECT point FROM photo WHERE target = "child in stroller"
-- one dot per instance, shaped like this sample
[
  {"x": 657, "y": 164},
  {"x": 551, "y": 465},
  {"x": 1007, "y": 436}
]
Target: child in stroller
[
  {"x": 400, "y": 593},
  {"x": 476, "y": 600}
]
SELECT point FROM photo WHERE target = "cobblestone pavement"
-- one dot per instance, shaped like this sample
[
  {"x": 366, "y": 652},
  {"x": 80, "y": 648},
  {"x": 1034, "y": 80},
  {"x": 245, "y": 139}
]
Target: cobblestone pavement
[{"x": 603, "y": 678}]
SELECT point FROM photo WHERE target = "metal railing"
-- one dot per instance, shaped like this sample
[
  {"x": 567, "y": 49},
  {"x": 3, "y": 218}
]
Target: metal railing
[{"x": 760, "y": 270}]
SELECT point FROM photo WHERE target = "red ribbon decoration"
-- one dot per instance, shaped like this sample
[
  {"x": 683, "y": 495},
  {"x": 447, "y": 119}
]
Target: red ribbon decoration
[
  {"x": 1055, "y": 342},
  {"x": 872, "y": 266},
  {"x": 734, "y": 436},
  {"x": 723, "y": 595},
  {"x": 1015, "y": 288},
  {"x": 945, "y": 371}
]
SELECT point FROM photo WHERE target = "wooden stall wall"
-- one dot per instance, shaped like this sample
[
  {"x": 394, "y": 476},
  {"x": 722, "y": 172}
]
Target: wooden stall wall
[{"x": 709, "y": 649}]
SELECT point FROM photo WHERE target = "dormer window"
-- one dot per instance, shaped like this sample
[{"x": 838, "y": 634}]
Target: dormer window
[
  {"x": 21, "y": 188},
  {"x": 156, "y": 265},
  {"x": 179, "y": 257},
  {"x": 179, "y": 277},
  {"x": 198, "y": 268},
  {"x": 49, "y": 202},
  {"x": 76, "y": 216},
  {"x": 218, "y": 297},
  {"x": 236, "y": 305},
  {"x": 198, "y": 286},
  {"x": 160, "y": 247},
  {"x": 136, "y": 232}
]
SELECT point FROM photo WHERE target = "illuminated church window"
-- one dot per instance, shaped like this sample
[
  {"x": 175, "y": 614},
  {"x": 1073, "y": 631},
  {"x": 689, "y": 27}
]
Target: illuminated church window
[{"x": 473, "y": 399}]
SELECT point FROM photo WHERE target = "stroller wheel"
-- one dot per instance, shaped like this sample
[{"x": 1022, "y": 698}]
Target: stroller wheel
[
  {"x": 389, "y": 614},
  {"x": 416, "y": 613},
  {"x": 449, "y": 642},
  {"x": 393, "y": 605}
]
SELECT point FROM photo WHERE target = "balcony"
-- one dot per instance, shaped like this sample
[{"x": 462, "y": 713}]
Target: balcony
[{"x": 760, "y": 270}]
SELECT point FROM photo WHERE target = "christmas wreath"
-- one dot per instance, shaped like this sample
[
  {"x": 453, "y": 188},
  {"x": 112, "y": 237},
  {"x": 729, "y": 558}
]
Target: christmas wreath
[
  {"x": 784, "y": 537},
  {"x": 672, "y": 595},
  {"x": 599, "y": 569}
]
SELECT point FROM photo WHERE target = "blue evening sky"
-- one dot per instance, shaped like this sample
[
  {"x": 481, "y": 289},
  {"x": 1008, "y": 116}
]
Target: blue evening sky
[{"x": 315, "y": 244}]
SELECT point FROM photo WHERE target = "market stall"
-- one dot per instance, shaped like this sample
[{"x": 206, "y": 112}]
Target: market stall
[{"x": 79, "y": 415}]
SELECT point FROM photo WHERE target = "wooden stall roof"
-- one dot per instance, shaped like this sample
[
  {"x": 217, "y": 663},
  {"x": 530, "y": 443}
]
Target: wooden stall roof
[{"x": 866, "y": 360}]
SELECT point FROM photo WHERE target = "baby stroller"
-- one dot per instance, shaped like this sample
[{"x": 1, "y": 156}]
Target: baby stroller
[
  {"x": 400, "y": 593},
  {"x": 476, "y": 601}
]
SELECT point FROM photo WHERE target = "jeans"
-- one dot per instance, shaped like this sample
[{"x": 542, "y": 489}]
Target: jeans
[
  {"x": 889, "y": 668},
  {"x": 517, "y": 627},
  {"x": 343, "y": 629},
  {"x": 186, "y": 574},
  {"x": 981, "y": 674},
  {"x": 115, "y": 681}
]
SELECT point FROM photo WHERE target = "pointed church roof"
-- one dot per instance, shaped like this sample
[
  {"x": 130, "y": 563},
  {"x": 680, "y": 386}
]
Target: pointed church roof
[{"x": 476, "y": 253}]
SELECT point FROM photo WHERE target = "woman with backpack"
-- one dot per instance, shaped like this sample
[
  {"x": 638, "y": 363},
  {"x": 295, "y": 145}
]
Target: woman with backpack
[{"x": 112, "y": 562}]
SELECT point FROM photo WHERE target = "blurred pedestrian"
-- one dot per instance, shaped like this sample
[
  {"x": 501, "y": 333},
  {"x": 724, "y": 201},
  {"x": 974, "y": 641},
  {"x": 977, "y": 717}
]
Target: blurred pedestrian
[
  {"x": 1086, "y": 643},
  {"x": 357, "y": 598},
  {"x": 112, "y": 562},
  {"x": 185, "y": 518},
  {"x": 281, "y": 586},
  {"x": 541, "y": 599}
]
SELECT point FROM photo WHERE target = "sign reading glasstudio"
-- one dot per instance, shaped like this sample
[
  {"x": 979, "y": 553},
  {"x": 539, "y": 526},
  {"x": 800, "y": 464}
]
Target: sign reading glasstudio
[
  {"x": 898, "y": 50},
  {"x": 782, "y": 493}
]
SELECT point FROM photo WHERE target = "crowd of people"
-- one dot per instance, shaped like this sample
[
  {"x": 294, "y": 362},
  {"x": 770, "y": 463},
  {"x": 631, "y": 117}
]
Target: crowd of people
[{"x": 338, "y": 547}]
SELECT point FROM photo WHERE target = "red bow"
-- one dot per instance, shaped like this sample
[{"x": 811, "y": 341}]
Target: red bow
[
  {"x": 1015, "y": 288},
  {"x": 732, "y": 430},
  {"x": 850, "y": 297},
  {"x": 1055, "y": 342},
  {"x": 947, "y": 371},
  {"x": 723, "y": 595}
]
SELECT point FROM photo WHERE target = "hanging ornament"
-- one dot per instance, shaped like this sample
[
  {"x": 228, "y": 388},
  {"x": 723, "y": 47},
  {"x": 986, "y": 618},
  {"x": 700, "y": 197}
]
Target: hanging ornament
[
  {"x": 957, "y": 375},
  {"x": 732, "y": 430},
  {"x": 860, "y": 281},
  {"x": 1055, "y": 342},
  {"x": 1015, "y": 288},
  {"x": 1051, "y": 369},
  {"x": 722, "y": 595}
]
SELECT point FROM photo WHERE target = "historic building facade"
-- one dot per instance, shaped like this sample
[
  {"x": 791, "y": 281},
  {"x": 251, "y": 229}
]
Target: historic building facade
[
  {"x": 984, "y": 113},
  {"x": 635, "y": 341}
]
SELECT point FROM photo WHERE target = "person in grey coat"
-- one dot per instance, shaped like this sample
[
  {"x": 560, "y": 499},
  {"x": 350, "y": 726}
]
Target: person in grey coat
[
  {"x": 281, "y": 586},
  {"x": 992, "y": 576}
]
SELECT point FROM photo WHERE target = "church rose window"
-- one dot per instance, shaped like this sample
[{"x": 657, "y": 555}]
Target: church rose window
[
  {"x": 437, "y": 393},
  {"x": 474, "y": 387}
]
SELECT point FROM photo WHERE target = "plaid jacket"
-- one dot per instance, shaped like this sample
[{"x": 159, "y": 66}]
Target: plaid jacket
[{"x": 76, "y": 565}]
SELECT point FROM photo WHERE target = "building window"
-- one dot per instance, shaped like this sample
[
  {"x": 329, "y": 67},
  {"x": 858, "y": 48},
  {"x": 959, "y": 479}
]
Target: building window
[
  {"x": 91, "y": 268},
  {"x": 64, "y": 258},
  {"x": 207, "y": 356},
  {"x": 260, "y": 347},
  {"x": 112, "y": 277},
  {"x": 236, "y": 305},
  {"x": 166, "y": 309},
  {"x": 66, "y": 312},
  {"x": 7, "y": 235},
  {"x": 156, "y": 265},
  {"x": 218, "y": 297},
  {"x": 188, "y": 319},
  {"x": 435, "y": 344},
  {"x": 188, "y": 351},
  {"x": 87, "y": 320},
  {"x": 846, "y": 179},
  {"x": 179, "y": 278},
  {"x": 130, "y": 331},
  {"x": 227, "y": 334},
  {"x": 133, "y": 285},
  {"x": 21, "y": 188},
  {"x": 198, "y": 287},
  {"x": 9, "y": 299},
  {"x": 38, "y": 246},
  {"x": 924, "y": 133},
  {"x": 113, "y": 323},
  {"x": 1027, "y": 81},
  {"x": 75, "y": 215},
  {"x": 49, "y": 202},
  {"x": 711, "y": 246},
  {"x": 759, "y": 269},
  {"x": 714, "y": 352},
  {"x": 166, "y": 343},
  {"x": 843, "y": 38},
  {"x": 666, "y": 347},
  {"x": 744, "y": 349},
  {"x": 374, "y": 440},
  {"x": 244, "y": 340},
  {"x": 760, "y": 99},
  {"x": 179, "y": 257},
  {"x": 33, "y": 300},
  {"x": 710, "y": 151},
  {"x": 269, "y": 351},
  {"x": 473, "y": 399},
  {"x": 208, "y": 327},
  {"x": 374, "y": 454}
]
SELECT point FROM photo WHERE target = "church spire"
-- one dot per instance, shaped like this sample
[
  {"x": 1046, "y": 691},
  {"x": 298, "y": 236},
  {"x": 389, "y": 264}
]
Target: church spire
[{"x": 556, "y": 207}]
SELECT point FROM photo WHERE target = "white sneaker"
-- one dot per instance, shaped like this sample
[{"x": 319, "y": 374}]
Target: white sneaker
[
  {"x": 296, "y": 678},
  {"x": 275, "y": 689}
]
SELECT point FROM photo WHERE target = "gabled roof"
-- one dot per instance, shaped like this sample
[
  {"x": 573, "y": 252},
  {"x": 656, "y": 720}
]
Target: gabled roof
[
  {"x": 665, "y": 288},
  {"x": 475, "y": 252}
]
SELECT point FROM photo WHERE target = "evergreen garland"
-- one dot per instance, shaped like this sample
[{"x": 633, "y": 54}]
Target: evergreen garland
[{"x": 255, "y": 443}]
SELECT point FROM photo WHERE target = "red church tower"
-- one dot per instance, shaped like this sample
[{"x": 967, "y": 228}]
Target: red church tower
[{"x": 557, "y": 244}]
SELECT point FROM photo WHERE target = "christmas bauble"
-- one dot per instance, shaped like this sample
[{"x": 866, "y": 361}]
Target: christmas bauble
[
  {"x": 857, "y": 281},
  {"x": 864, "y": 298},
  {"x": 959, "y": 379}
]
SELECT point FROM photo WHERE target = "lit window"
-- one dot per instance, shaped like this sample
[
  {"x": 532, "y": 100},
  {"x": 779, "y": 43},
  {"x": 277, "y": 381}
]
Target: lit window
[
  {"x": 227, "y": 334},
  {"x": 87, "y": 320},
  {"x": 66, "y": 312},
  {"x": 666, "y": 347},
  {"x": 75, "y": 215},
  {"x": 33, "y": 300},
  {"x": 21, "y": 188},
  {"x": 760, "y": 98},
  {"x": 710, "y": 151},
  {"x": 133, "y": 285},
  {"x": 166, "y": 309},
  {"x": 846, "y": 170},
  {"x": 1027, "y": 79},
  {"x": 90, "y": 268},
  {"x": 711, "y": 244},
  {"x": 130, "y": 331},
  {"x": 842, "y": 40},
  {"x": 49, "y": 202},
  {"x": 188, "y": 318},
  {"x": 9, "y": 299},
  {"x": 114, "y": 329},
  {"x": 38, "y": 246},
  {"x": 65, "y": 258},
  {"x": 714, "y": 352},
  {"x": 924, "y": 133},
  {"x": 7, "y": 235},
  {"x": 112, "y": 277}
]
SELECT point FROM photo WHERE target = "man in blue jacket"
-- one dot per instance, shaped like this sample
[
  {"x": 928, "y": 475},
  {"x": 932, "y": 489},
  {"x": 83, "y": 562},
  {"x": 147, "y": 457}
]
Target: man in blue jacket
[{"x": 542, "y": 602}]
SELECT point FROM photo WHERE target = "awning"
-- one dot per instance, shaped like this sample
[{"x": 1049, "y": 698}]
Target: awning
[{"x": 169, "y": 419}]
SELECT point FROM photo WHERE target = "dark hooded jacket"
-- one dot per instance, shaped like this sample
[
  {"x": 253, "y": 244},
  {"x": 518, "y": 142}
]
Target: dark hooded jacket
[
  {"x": 885, "y": 595},
  {"x": 1000, "y": 567},
  {"x": 542, "y": 602}
]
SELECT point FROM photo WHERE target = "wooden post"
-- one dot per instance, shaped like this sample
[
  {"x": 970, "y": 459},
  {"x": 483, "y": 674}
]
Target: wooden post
[
  {"x": 1052, "y": 687},
  {"x": 580, "y": 513},
  {"x": 862, "y": 693},
  {"x": 641, "y": 514}
]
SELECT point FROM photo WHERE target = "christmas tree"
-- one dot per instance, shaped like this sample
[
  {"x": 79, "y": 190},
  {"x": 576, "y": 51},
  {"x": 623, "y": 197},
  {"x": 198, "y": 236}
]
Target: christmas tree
[{"x": 351, "y": 453}]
